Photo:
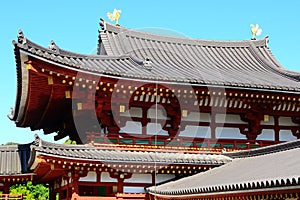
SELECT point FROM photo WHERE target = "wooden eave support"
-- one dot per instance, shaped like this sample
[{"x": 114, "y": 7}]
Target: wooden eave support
[
  {"x": 111, "y": 92},
  {"x": 166, "y": 90},
  {"x": 47, "y": 172},
  {"x": 49, "y": 167}
]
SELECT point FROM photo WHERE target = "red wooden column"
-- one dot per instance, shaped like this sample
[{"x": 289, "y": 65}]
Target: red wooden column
[
  {"x": 120, "y": 185},
  {"x": 144, "y": 121},
  {"x": 276, "y": 128},
  {"x": 52, "y": 194},
  {"x": 75, "y": 187},
  {"x": 69, "y": 189},
  {"x": 60, "y": 194},
  {"x": 98, "y": 177},
  {"x": 213, "y": 125},
  {"x": 6, "y": 188},
  {"x": 153, "y": 178},
  {"x": 120, "y": 178}
]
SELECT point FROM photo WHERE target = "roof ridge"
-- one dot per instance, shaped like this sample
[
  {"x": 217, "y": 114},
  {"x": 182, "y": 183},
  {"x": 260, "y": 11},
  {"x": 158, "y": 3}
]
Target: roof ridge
[
  {"x": 8, "y": 147},
  {"x": 64, "y": 57},
  {"x": 40, "y": 143},
  {"x": 30, "y": 44},
  {"x": 108, "y": 27}
]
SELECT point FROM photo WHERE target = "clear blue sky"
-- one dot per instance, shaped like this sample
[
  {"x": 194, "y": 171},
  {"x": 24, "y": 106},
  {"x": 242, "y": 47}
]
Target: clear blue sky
[{"x": 74, "y": 25}]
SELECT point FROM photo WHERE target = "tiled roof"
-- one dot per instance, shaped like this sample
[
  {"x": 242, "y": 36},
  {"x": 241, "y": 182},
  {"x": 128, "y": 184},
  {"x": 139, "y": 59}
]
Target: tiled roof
[
  {"x": 243, "y": 64},
  {"x": 91, "y": 153},
  {"x": 264, "y": 150},
  {"x": 269, "y": 170},
  {"x": 13, "y": 159},
  {"x": 113, "y": 65}
]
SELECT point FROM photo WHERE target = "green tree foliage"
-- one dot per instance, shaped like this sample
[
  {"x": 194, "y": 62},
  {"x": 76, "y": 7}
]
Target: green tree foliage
[
  {"x": 68, "y": 141},
  {"x": 32, "y": 192},
  {"x": 10, "y": 143}
]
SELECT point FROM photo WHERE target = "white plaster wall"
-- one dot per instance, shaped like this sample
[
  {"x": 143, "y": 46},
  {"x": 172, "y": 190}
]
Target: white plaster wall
[
  {"x": 139, "y": 178},
  {"x": 132, "y": 127},
  {"x": 106, "y": 178},
  {"x": 164, "y": 177},
  {"x": 91, "y": 177},
  {"x": 160, "y": 114},
  {"x": 266, "y": 134},
  {"x": 286, "y": 135},
  {"x": 229, "y": 133},
  {"x": 133, "y": 112},
  {"x": 229, "y": 118},
  {"x": 193, "y": 116},
  {"x": 153, "y": 128},
  {"x": 286, "y": 121},
  {"x": 197, "y": 116},
  {"x": 128, "y": 189},
  {"x": 196, "y": 131}
]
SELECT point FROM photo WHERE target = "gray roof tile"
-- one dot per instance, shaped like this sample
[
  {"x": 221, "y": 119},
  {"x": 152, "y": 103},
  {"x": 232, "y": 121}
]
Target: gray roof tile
[
  {"x": 265, "y": 150},
  {"x": 278, "y": 168},
  {"x": 13, "y": 160}
]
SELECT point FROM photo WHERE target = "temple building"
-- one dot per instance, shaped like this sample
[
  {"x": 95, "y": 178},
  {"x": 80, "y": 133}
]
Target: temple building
[{"x": 158, "y": 117}]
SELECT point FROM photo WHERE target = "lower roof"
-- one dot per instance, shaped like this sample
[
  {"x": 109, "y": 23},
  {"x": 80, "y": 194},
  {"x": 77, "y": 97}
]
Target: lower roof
[
  {"x": 13, "y": 160},
  {"x": 90, "y": 153},
  {"x": 268, "y": 170}
]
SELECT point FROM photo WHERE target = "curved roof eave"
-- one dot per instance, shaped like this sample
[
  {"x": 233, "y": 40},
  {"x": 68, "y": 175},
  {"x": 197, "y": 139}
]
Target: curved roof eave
[
  {"x": 17, "y": 113},
  {"x": 133, "y": 67},
  {"x": 111, "y": 74}
]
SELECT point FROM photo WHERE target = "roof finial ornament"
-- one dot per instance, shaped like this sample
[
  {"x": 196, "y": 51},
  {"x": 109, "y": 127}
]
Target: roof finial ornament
[
  {"x": 267, "y": 41},
  {"x": 102, "y": 23},
  {"x": 114, "y": 16},
  {"x": 53, "y": 46},
  {"x": 11, "y": 113},
  {"x": 255, "y": 30},
  {"x": 37, "y": 140},
  {"x": 147, "y": 63},
  {"x": 21, "y": 37}
]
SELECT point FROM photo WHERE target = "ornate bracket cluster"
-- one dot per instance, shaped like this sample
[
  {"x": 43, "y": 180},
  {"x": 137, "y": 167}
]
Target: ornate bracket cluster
[
  {"x": 53, "y": 46},
  {"x": 254, "y": 117}
]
